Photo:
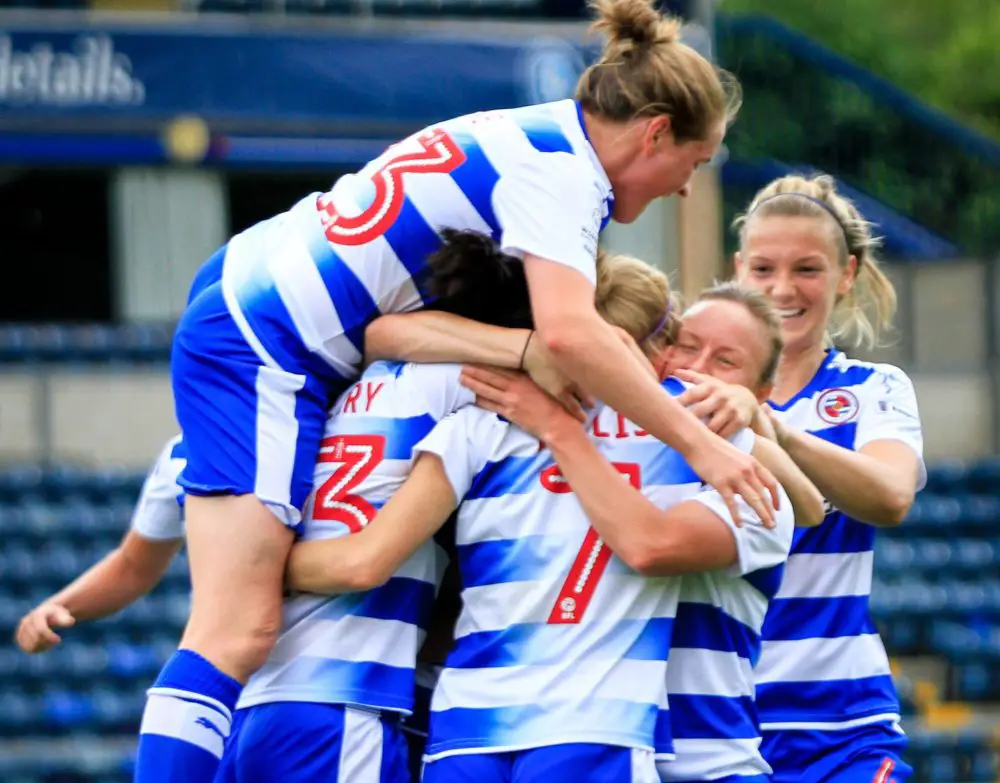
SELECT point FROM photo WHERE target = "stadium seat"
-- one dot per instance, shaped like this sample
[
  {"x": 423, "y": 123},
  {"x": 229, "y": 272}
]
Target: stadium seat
[{"x": 946, "y": 476}]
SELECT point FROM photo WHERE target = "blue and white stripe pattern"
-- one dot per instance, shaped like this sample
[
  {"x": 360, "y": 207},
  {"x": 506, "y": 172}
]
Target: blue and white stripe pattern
[
  {"x": 823, "y": 664},
  {"x": 520, "y": 675},
  {"x": 315, "y": 276},
  {"x": 716, "y": 644},
  {"x": 361, "y": 648},
  {"x": 159, "y": 512}
]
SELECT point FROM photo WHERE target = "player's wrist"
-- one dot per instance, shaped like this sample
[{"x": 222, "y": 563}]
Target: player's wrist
[{"x": 562, "y": 432}]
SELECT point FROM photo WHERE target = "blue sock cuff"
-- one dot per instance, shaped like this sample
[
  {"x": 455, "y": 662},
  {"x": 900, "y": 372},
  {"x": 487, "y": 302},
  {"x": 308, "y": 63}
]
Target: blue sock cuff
[{"x": 188, "y": 671}]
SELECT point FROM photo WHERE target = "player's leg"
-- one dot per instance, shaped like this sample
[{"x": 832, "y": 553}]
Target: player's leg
[
  {"x": 477, "y": 767},
  {"x": 585, "y": 763},
  {"x": 252, "y": 433}
]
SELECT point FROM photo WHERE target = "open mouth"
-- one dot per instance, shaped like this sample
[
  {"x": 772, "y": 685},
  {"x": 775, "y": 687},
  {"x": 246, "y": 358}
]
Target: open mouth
[{"x": 787, "y": 315}]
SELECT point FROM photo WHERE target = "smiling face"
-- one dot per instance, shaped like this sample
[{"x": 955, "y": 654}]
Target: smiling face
[
  {"x": 725, "y": 340},
  {"x": 795, "y": 261},
  {"x": 660, "y": 167}
]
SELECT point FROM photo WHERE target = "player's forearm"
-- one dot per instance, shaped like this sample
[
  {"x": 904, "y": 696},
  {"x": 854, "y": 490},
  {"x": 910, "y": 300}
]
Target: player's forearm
[
  {"x": 331, "y": 566},
  {"x": 626, "y": 521},
  {"x": 590, "y": 354},
  {"x": 442, "y": 337},
  {"x": 108, "y": 586},
  {"x": 807, "y": 502},
  {"x": 858, "y": 485}
]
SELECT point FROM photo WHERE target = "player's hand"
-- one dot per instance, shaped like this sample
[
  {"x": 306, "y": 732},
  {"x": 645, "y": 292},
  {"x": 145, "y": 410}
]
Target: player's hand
[
  {"x": 763, "y": 423},
  {"x": 771, "y": 423},
  {"x": 516, "y": 397},
  {"x": 732, "y": 472},
  {"x": 724, "y": 407},
  {"x": 35, "y": 632},
  {"x": 539, "y": 365}
]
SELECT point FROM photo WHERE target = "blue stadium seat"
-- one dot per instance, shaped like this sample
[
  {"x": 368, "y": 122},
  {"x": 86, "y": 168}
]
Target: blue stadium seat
[
  {"x": 984, "y": 475},
  {"x": 145, "y": 342},
  {"x": 16, "y": 481},
  {"x": 89, "y": 343},
  {"x": 64, "y": 709},
  {"x": 980, "y": 513},
  {"x": 946, "y": 476}
]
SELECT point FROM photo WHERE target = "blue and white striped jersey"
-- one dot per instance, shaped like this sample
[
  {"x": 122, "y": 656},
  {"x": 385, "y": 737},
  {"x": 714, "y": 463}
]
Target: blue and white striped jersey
[
  {"x": 314, "y": 277},
  {"x": 159, "y": 512},
  {"x": 716, "y": 644},
  {"x": 822, "y": 660},
  {"x": 558, "y": 641},
  {"x": 361, "y": 648}
]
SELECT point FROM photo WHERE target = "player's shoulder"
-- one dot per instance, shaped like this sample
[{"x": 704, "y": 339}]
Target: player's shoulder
[{"x": 858, "y": 372}]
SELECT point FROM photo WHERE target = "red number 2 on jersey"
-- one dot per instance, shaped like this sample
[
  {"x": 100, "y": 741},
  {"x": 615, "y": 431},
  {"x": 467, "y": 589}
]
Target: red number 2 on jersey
[
  {"x": 591, "y": 560},
  {"x": 438, "y": 154},
  {"x": 356, "y": 457}
]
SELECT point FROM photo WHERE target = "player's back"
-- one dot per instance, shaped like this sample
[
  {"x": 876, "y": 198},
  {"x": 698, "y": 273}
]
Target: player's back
[
  {"x": 558, "y": 641},
  {"x": 360, "y": 648},
  {"x": 822, "y": 660},
  {"x": 716, "y": 644},
  {"x": 315, "y": 276}
]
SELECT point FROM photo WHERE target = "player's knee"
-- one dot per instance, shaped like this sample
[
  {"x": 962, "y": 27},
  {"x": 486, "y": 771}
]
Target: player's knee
[{"x": 238, "y": 650}]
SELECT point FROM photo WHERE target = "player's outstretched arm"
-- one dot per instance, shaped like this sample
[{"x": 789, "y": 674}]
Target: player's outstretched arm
[
  {"x": 586, "y": 349},
  {"x": 122, "y": 577},
  {"x": 368, "y": 558},
  {"x": 876, "y": 485},
  {"x": 688, "y": 538},
  {"x": 433, "y": 336}
]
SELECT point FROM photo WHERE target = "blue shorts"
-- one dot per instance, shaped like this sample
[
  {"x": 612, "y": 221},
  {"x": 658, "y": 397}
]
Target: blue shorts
[
  {"x": 863, "y": 754},
  {"x": 577, "y": 762},
  {"x": 249, "y": 427},
  {"x": 415, "y": 725},
  {"x": 295, "y": 742}
]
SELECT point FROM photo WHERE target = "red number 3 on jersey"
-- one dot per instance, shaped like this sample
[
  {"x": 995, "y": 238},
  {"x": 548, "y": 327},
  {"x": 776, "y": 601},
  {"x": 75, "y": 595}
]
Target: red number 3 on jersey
[
  {"x": 355, "y": 456},
  {"x": 438, "y": 154}
]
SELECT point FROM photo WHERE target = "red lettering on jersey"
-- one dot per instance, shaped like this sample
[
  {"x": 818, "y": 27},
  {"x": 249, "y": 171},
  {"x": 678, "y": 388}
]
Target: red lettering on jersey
[
  {"x": 372, "y": 392},
  {"x": 351, "y": 401},
  {"x": 622, "y": 429},
  {"x": 438, "y": 154}
]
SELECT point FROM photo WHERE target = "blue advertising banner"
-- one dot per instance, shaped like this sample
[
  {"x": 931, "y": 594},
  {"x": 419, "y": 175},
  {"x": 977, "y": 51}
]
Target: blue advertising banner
[{"x": 274, "y": 81}]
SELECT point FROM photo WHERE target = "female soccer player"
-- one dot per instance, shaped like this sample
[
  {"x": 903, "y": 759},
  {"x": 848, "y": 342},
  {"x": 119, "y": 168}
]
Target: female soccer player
[
  {"x": 710, "y": 731},
  {"x": 327, "y": 703},
  {"x": 599, "y": 738},
  {"x": 259, "y": 354},
  {"x": 128, "y": 572},
  {"x": 824, "y": 688}
]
